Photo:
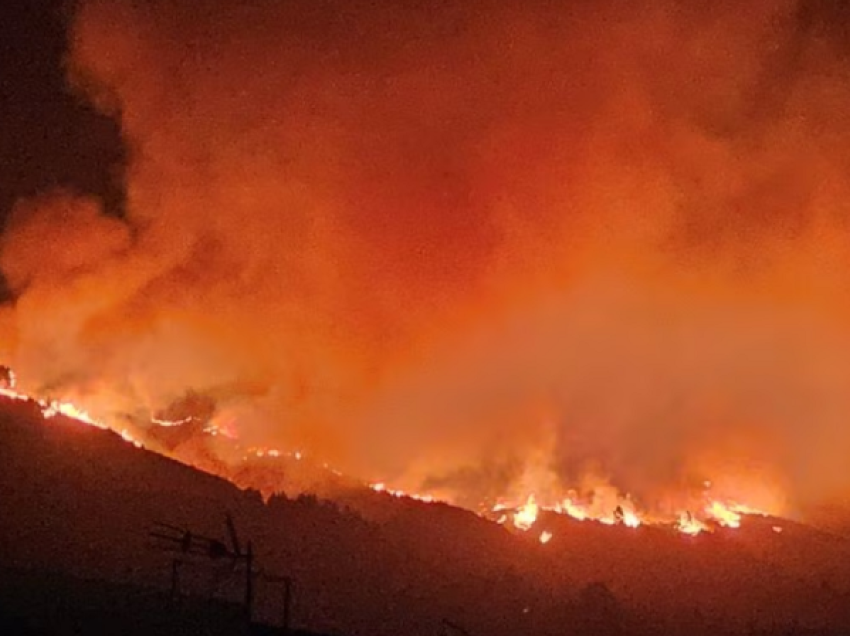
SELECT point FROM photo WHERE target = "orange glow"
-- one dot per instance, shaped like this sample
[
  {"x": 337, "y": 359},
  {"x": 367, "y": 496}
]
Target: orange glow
[
  {"x": 526, "y": 514},
  {"x": 724, "y": 515},
  {"x": 603, "y": 503},
  {"x": 432, "y": 253},
  {"x": 380, "y": 487},
  {"x": 54, "y": 408},
  {"x": 688, "y": 524},
  {"x": 13, "y": 395}
]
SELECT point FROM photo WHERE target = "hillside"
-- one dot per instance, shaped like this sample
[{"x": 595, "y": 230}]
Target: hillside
[{"x": 81, "y": 501}]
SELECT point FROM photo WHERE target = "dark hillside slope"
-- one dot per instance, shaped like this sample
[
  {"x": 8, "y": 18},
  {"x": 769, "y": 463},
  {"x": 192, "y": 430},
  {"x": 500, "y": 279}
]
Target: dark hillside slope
[{"x": 81, "y": 501}]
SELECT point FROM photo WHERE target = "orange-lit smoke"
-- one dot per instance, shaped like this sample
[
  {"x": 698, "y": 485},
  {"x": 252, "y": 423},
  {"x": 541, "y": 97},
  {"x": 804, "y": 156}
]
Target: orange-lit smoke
[{"x": 467, "y": 245}]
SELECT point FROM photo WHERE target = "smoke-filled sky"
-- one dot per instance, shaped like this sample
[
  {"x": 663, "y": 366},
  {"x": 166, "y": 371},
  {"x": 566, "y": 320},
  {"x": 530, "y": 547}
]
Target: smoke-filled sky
[{"x": 429, "y": 240}]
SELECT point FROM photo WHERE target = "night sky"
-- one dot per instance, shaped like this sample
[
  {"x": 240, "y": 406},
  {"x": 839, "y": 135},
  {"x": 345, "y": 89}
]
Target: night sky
[{"x": 50, "y": 137}]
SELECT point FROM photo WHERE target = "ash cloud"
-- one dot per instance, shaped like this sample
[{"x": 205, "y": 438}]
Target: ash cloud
[{"x": 428, "y": 240}]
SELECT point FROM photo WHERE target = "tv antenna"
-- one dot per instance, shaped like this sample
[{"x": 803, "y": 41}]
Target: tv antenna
[
  {"x": 287, "y": 595},
  {"x": 186, "y": 544}
]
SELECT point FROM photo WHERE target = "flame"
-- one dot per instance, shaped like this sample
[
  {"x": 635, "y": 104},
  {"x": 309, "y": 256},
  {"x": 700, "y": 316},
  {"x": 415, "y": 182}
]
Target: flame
[
  {"x": 526, "y": 515},
  {"x": 225, "y": 429},
  {"x": 688, "y": 524},
  {"x": 53, "y": 408},
  {"x": 382, "y": 487},
  {"x": 171, "y": 423},
  {"x": 603, "y": 503},
  {"x": 723, "y": 514},
  {"x": 567, "y": 507},
  {"x": 606, "y": 506},
  {"x": 261, "y": 452},
  {"x": 631, "y": 519},
  {"x": 13, "y": 395},
  {"x": 57, "y": 407}
]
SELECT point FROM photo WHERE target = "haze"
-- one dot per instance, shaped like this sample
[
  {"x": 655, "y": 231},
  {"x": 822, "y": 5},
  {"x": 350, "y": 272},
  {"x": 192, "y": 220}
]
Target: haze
[{"x": 450, "y": 245}]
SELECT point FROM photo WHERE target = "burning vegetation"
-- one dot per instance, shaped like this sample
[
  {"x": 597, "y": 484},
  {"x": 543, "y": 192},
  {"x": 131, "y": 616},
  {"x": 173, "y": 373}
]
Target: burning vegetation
[{"x": 605, "y": 506}]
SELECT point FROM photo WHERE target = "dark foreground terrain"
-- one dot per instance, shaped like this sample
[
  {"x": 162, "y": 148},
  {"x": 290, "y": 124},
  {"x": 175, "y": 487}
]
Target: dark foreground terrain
[
  {"x": 45, "y": 603},
  {"x": 76, "y": 557}
]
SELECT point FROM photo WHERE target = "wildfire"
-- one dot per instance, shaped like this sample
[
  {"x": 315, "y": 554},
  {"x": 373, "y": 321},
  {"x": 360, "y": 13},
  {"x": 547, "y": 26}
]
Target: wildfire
[
  {"x": 604, "y": 504},
  {"x": 526, "y": 515},
  {"x": 688, "y": 524},
  {"x": 724, "y": 515},
  {"x": 53, "y": 408},
  {"x": 608, "y": 507},
  {"x": 381, "y": 487},
  {"x": 171, "y": 423}
]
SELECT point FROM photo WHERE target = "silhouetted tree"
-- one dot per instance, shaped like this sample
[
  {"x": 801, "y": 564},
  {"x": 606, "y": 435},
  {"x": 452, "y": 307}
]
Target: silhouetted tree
[{"x": 307, "y": 499}]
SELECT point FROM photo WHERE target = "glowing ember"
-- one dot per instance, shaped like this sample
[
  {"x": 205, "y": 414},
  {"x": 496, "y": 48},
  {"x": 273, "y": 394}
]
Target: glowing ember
[
  {"x": 545, "y": 536},
  {"x": 273, "y": 452},
  {"x": 381, "y": 487},
  {"x": 171, "y": 423},
  {"x": 225, "y": 430}
]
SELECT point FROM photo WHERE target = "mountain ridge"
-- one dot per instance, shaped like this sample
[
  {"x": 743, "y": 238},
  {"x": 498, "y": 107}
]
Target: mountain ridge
[{"x": 83, "y": 501}]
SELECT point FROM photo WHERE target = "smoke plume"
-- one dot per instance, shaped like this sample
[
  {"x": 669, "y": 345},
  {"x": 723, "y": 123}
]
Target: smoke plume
[{"x": 433, "y": 241}]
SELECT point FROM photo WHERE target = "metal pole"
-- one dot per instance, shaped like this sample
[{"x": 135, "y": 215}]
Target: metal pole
[
  {"x": 175, "y": 580},
  {"x": 249, "y": 582},
  {"x": 287, "y": 603}
]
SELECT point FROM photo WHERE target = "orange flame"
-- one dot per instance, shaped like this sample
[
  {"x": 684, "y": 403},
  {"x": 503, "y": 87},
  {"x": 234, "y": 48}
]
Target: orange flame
[
  {"x": 604, "y": 505},
  {"x": 53, "y": 408},
  {"x": 526, "y": 515}
]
